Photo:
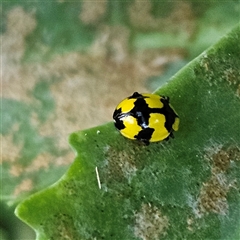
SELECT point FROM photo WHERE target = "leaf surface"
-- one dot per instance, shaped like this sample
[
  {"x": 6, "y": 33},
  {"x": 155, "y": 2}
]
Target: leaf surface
[{"x": 186, "y": 188}]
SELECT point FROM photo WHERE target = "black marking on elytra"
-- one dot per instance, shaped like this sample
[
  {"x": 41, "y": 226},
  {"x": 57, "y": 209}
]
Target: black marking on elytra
[
  {"x": 116, "y": 113},
  {"x": 145, "y": 135},
  {"x": 118, "y": 122},
  {"x": 135, "y": 95},
  {"x": 141, "y": 111},
  {"x": 169, "y": 114}
]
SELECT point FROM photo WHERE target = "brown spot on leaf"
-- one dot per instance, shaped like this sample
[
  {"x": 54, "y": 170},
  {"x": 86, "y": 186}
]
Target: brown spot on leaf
[
  {"x": 150, "y": 223},
  {"x": 19, "y": 25},
  {"x": 141, "y": 17},
  {"x": 25, "y": 186},
  {"x": 65, "y": 230},
  {"x": 234, "y": 154},
  {"x": 231, "y": 75},
  {"x": 64, "y": 160},
  {"x": 119, "y": 165},
  {"x": 16, "y": 169},
  {"x": 42, "y": 161},
  {"x": 213, "y": 194},
  {"x": 10, "y": 151},
  {"x": 92, "y": 11},
  {"x": 221, "y": 161},
  {"x": 16, "y": 82},
  {"x": 213, "y": 74}
]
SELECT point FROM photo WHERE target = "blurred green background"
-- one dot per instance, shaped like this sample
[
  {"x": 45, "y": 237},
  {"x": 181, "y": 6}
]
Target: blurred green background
[{"x": 65, "y": 65}]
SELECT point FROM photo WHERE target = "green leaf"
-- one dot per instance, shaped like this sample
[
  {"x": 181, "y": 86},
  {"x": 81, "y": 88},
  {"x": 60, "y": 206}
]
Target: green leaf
[{"x": 187, "y": 188}]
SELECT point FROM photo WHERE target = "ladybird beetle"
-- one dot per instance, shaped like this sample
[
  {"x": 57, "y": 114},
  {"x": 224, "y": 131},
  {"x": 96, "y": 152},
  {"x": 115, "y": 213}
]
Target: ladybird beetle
[{"x": 146, "y": 117}]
